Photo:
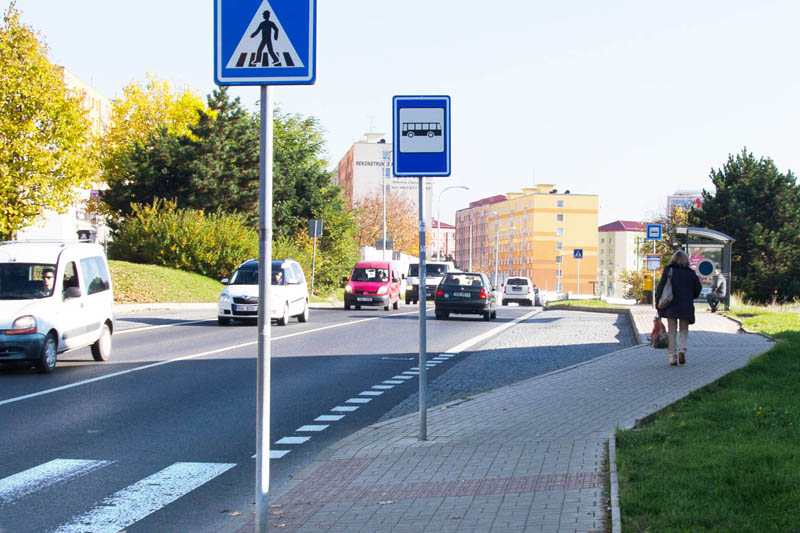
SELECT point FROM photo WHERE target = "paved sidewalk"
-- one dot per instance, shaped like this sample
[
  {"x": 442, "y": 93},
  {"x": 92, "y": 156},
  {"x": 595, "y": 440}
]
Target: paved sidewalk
[{"x": 526, "y": 457}]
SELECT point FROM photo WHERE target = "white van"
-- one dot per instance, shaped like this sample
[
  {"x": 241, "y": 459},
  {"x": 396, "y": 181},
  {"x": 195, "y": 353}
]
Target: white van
[{"x": 54, "y": 296}]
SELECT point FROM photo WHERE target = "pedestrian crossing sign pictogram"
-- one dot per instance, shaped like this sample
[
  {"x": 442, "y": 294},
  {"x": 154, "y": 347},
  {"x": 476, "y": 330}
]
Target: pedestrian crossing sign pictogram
[{"x": 265, "y": 42}]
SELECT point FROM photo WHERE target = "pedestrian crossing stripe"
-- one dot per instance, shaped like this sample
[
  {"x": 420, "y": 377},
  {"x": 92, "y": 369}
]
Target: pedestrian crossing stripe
[
  {"x": 44, "y": 476},
  {"x": 258, "y": 48}
]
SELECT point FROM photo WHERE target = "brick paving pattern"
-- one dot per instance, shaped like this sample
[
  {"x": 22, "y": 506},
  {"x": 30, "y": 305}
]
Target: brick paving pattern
[{"x": 525, "y": 457}]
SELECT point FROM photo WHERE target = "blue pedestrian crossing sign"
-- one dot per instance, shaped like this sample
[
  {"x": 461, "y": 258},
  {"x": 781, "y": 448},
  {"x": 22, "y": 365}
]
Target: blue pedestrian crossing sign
[
  {"x": 654, "y": 232},
  {"x": 265, "y": 42},
  {"x": 421, "y": 136},
  {"x": 577, "y": 253}
]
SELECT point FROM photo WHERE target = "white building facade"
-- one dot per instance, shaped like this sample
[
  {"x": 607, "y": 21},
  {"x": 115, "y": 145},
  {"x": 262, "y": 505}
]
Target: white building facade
[
  {"x": 622, "y": 246},
  {"x": 367, "y": 166}
]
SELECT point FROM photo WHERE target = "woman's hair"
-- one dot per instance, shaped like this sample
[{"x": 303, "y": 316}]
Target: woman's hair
[{"x": 679, "y": 259}]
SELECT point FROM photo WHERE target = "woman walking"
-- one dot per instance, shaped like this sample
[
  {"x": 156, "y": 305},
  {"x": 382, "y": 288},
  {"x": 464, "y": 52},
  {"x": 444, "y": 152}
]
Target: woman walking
[{"x": 680, "y": 313}]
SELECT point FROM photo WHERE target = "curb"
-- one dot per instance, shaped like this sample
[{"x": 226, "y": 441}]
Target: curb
[{"x": 616, "y": 519}]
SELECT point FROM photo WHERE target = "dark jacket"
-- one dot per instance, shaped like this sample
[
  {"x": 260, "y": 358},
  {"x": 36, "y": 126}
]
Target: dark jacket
[{"x": 685, "y": 288}]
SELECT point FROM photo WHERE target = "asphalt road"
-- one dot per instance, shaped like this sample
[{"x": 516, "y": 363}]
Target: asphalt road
[{"x": 162, "y": 437}]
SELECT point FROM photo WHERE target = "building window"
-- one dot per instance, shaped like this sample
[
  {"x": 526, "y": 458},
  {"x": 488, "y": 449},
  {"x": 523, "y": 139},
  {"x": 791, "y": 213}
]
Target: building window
[
  {"x": 559, "y": 232},
  {"x": 602, "y": 241},
  {"x": 610, "y": 240},
  {"x": 601, "y": 262},
  {"x": 558, "y": 287},
  {"x": 559, "y": 273},
  {"x": 560, "y": 217},
  {"x": 559, "y": 245},
  {"x": 561, "y": 203},
  {"x": 559, "y": 259}
]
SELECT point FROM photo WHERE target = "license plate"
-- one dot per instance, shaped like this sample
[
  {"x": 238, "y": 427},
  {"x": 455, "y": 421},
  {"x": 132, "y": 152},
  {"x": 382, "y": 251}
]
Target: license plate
[
  {"x": 245, "y": 308},
  {"x": 462, "y": 294},
  {"x": 364, "y": 299},
  {"x": 516, "y": 288}
]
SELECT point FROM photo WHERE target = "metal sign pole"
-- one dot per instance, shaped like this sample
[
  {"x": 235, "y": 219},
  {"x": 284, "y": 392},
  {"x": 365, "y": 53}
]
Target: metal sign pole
[
  {"x": 423, "y": 368},
  {"x": 264, "y": 333},
  {"x": 314, "y": 255},
  {"x": 653, "y": 289}
]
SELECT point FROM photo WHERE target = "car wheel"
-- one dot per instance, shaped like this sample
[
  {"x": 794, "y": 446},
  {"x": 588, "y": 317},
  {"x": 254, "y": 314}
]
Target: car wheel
[
  {"x": 494, "y": 314},
  {"x": 530, "y": 303},
  {"x": 303, "y": 317},
  {"x": 386, "y": 307},
  {"x": 101, "y": 350},
  {"x": 358, "y": 307},
  {"x": 47, "y": 360},
  {"x": 416, "y": 302},
  {"x": 408, "y": 301},
  {"x": 487, "y": 316},
  {"x": 222, "y": 321},
  {"x": 396, "y": 304},
  {"x": 284, "y": 319},
  {"x": 505, "y": 302},
  {"x": 346, "y": 307}
]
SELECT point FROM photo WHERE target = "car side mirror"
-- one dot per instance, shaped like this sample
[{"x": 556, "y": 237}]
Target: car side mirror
[
  {"x": 72, "y": 292},
  {"x": 344, "y": 281},
  {"x": 224, "y": 281}
]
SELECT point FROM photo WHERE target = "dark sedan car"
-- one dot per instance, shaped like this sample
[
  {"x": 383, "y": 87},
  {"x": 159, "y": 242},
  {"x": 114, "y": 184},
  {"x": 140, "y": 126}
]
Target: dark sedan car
[{"x": 465, "y": 293}]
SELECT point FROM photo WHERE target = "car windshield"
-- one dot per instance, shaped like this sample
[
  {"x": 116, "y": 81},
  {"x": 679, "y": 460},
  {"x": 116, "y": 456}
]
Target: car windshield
[
  {"x": 463, "y": 280},
  {"x": 431, "y": 271},
  {"x": 517, "y": 281},
  {"x": 245, "y": 276},
  {"x": 370, "y": 274},
  {"x": 23, "y": 281}
]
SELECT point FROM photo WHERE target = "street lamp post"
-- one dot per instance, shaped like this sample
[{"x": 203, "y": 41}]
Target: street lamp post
[
  {"x": 383, "y": 186},
  {"x": 496, "y": 243},
  {"x": 439, "y": 215}
]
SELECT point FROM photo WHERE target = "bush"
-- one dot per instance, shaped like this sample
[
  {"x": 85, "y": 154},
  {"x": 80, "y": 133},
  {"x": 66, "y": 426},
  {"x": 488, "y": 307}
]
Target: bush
[{"x": 187, "y": 239}]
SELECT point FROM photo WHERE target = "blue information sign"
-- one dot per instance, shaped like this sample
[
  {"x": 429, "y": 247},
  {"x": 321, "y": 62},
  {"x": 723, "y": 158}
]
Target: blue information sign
[
  {"x": 577, "y": 253},
  {"x": 654, "y": 232},
  {"x": 421, "y": 135},
  {"x": 265, "y": 42}
]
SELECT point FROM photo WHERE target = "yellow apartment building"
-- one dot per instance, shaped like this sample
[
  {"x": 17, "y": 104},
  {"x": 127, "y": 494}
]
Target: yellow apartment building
[{"x": 532, "y": 233}]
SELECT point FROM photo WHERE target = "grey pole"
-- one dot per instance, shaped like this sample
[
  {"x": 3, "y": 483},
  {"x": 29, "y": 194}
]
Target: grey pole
[
  {"x": 470, "y": 242},
  {"x": 313, "y": 257},
  {"x": 383, "y": 186},
  {"x": 423, "y": 369},
  {"x": 264, "y": 333}
]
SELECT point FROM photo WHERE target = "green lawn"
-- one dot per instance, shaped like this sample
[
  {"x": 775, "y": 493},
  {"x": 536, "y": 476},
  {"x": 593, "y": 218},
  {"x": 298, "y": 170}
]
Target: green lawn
[
  {"x": 583, "y": 303},
  {"x": 135, "y": 283},
  {"x": 726, "y": 458}
]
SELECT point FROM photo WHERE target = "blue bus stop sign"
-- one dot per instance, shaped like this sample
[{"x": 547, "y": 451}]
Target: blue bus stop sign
[
  {"x": 421, "y": 135},
  {"x": 265, "y": 42}
]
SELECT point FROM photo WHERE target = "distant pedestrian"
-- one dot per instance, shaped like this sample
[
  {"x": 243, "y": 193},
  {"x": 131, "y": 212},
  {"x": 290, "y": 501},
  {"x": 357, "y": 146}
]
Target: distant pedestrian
[{"x": 680, "y": 313}]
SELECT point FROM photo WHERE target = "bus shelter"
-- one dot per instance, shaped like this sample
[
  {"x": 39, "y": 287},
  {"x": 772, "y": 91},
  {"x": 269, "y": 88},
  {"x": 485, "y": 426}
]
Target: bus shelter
[{"x": 709, "y": 253}]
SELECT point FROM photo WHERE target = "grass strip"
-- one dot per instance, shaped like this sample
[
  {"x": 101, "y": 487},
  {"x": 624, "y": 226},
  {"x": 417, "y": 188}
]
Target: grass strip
[{"x": 727, "y": 457}]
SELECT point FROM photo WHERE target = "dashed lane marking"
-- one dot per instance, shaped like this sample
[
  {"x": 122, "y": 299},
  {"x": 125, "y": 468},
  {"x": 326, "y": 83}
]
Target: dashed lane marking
[
  {"x": 402, "y": 377},
  {"x": 344, "y": 408},
  {"x": 370, "y": 393},
  {"x": 312, "y": 427},
  {"x": 276, "y": 454},
  {"x": 293, "y": 440},
  {"x": 383, "y": 387},
  {"x": 328, "y": 418},
  {"x": 393, "y": 382},
  {"x": 359, "y": 400}
]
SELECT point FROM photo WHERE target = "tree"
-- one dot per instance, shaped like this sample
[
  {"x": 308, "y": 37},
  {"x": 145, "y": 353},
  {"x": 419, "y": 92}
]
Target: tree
[
  {"x": 759, "y": 207},
  {"x": 46, "y": 148},
  {"x": 401, "y": 221},
  {"x": 143, "y": 111}
]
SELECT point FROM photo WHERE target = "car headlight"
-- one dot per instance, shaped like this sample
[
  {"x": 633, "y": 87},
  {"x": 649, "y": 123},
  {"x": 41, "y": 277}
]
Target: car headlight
[
  {"x": 24, "y": 325},
  {"x": 224, "y": 298},
  {"x": 383, "y": 289},
  {"x": 348, "y": 289}
]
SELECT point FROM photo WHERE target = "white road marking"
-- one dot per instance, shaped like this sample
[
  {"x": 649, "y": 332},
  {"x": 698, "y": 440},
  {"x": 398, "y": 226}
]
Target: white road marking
[
  {"x": 392, "y": 382},
  {"x": 383, "y": 387},
  {"x": 344, "y": 408},
  {"x": 470, "y": 342},
  {"x": 359, "y": 400},
  {"x": 328, "y": 418},
  {"x": 402, "y": 377},
  {"x": 147, "y": 496},
  {"x": 177, "y": 359},
  {"x": 414, "y": 373},
  {"x": 370, "y": 393},
  {"x": 149, "y": 328},
  {"x": 313, "y": 427},
  {"x": 276, "y": 454},
  {"x": 45, "y": 475},
  {"x": 292, "y": 440}
]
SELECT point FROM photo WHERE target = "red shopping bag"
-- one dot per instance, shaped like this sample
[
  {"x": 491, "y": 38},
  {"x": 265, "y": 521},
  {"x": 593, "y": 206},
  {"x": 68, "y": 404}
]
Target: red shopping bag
[{"x": 658, "y": 337}]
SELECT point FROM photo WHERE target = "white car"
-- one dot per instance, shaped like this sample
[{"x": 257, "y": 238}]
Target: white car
[
  {"x": 54, "y": 296},
  {"x": 288, "y": 293},
  {"x": 520, "y": 290}
]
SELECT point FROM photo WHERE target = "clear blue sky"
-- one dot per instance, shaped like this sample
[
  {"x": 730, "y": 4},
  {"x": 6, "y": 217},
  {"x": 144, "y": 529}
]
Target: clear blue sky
[{"x": 627, "y": 99}]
